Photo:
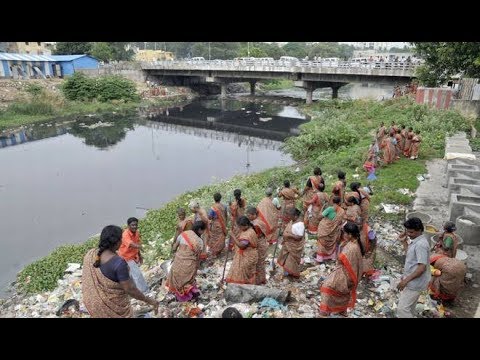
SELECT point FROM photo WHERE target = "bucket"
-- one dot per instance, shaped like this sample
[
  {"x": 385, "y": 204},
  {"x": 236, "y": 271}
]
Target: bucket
[
  {"x": 426, "y": 219},
  {"x": 434, "y": 240}
]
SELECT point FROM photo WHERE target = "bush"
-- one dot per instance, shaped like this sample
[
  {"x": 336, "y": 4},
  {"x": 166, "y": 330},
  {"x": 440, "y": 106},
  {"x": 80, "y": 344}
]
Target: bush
[
  {"x": 104, "y": 88},
  {"x": 115, "y": 88},
  {"x": 79, "y": 87}
]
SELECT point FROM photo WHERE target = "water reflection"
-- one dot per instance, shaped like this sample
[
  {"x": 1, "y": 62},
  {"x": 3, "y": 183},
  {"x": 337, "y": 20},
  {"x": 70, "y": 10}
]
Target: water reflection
[
  {"x": 243, "y": 119},
  {"x": 103, "y": 133}
]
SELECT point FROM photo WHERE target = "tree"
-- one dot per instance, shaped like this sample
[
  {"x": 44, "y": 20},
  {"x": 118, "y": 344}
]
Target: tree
[
  {"x": 102, "y": 51},
  {"x": 73, "y": 48},
  {"x": 297, "y": 49},
  {"x": 445, "y": 59},
  {"x": 119, "y": 51}
]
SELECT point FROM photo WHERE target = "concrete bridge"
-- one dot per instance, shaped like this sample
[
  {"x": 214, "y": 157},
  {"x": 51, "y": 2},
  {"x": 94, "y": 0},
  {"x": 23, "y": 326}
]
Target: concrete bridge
[{"x": 309, "y": 75}]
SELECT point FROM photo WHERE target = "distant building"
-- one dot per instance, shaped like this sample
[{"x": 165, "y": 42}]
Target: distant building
[
  {"x": 69, "y": 63},
  {"x": 40, "y": 66},
  {"x": 32, "y": 48},
  {"x": 153, "y": 55}
]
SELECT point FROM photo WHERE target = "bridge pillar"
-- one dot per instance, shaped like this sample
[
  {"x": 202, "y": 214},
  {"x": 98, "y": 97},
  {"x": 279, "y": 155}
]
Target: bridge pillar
[
  {"x": 335, "y": 92},
  {"x": 309, "y": 94},
  {"x": 252, "y": 87},
  {"x": 223, "y": 91}
]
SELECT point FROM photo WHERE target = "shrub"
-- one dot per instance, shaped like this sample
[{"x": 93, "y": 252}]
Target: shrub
[
  {"x": 79, "y": 87},
  {"x": 115, "y": 88}
]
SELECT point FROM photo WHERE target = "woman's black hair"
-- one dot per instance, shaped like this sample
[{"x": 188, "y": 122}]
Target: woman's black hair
[
  {"x": 293, "y": 212},
  {"x": 354, "y": 186},
  {"x": 243, "y": 220},
  {"x": 110, "y": 236},
  {"x": 341, "y": 175},
  {"x": 251, "y": 210},
  {"x": 353, "y": 200},
  {"x": 217, "y": 197},
  {"x": 286, "y": 183},
  {"x": 336, "y": 199},
  {"x": 352, "y": 229},
  {"x": 317, "y": 171},
  {"x": 237, "y": 193},
  {"x": 198, "y": 225},
  {"x": 309, "y": 183}
]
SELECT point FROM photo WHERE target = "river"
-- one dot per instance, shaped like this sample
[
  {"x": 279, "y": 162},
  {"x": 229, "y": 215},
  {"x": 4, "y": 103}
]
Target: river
[{"x": 62, "y": 181}]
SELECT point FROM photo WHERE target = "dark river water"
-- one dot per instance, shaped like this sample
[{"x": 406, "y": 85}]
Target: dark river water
[{"x": 64, "y": 180}]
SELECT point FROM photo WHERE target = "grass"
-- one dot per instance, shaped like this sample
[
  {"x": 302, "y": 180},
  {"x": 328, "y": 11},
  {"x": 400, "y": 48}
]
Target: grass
[
  {"x": 336, "y": 138},
  {"x": 38, "y": 110}
]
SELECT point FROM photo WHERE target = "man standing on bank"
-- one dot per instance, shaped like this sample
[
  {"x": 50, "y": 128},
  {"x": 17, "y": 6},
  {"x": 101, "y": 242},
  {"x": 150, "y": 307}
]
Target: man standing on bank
[{"x": 416, "y": 272}]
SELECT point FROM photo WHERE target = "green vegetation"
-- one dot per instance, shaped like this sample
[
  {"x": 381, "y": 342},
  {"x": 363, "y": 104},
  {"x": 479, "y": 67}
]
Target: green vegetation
[
  {"x": 103, "y": 88},
  {"x": 82, "y": 96},
  {"x": 104, "y": 51},
  {"x": 277, "y": 84},
  {"x": 336, "y": 139}
]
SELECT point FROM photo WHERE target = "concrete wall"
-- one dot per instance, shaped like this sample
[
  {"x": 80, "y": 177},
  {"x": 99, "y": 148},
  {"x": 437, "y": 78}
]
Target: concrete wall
[
  {"x": 134, "y": 75},
  {"x": 437, "y": 97},
  {"x": 467, "y": 106}
]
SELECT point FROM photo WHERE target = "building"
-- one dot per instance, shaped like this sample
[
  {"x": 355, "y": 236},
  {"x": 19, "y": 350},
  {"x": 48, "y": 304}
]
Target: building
[
  {"x": 33, "y": 48},
  {"x": 41, "y": 66},
  {"x": 69, "y": 63},
  {"x": 153, "y": 55}
]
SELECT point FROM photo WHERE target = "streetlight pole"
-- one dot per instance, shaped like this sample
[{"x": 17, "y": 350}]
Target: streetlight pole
[
  {"x": 248, "y": 49},
  {"x": 208, "y": 51}
]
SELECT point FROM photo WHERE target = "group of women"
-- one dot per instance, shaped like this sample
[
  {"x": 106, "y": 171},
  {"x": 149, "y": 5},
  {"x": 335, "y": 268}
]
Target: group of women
[{"x": 395, "y": 142}]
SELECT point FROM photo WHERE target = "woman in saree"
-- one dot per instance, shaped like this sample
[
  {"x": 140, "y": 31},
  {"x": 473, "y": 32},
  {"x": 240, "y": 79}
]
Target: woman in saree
[
  {"x": 315, "y": 206},
  {"x": 261, "y": 229},
  {"x": 388, "y": 147},
  {"x": 447, "y": 241},
  {"x": 408, "y": 142},
  {"x": 339, "y": 187},
  {"x": 353, "y": 211},
  {"x": 268, "y": 214},
  {"x": 339, "y": 290},
  {"x": 183, "y": 224},
  {"x": 237, "y": 209},
  {"x": 293, "y": 244},
  {"x": 448, "y": 276},
  {"x": 218, "y": 226},
  {"x": 244, "y": 265},
  {"x": 398, "y": 145},
  {"x": 369, "y": 241},
  {"x": 106, "y": 282},
  {"x": 199, "y": 214},
  {"x": 415, "y": 147},
  {"x": 289, "y": 196},
  {"x": 316, "y": 179},
  {"x": 364, "y": 198},
  {"x": 181, "y": 278},
  {"x": 382, "y": 131},
  {"x": 329, "y": 231}
]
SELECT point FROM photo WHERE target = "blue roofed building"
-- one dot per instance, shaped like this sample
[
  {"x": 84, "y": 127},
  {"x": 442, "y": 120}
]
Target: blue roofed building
[
  {"x": 70, "y": 63},
  {"x": 41, "y": 66}
]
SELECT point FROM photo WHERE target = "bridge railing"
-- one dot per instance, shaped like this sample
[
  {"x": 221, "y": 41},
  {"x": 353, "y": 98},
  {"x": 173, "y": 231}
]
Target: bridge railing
[{"x": 275, "y": 65}]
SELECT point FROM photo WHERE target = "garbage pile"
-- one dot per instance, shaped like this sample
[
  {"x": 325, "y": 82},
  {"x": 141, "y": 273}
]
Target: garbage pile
[{"x": 281, "y": 297}]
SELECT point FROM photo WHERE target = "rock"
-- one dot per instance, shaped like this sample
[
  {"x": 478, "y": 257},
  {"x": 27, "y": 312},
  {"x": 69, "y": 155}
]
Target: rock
[{"x": 239, "y": 293}]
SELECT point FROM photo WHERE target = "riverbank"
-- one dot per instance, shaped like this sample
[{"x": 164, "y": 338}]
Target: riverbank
[
  {"x": 336, "y": 138},
  {"x": 24, "y": 102}
]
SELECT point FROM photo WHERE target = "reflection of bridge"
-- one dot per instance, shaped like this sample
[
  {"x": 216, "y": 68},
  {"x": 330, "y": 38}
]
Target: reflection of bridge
[
  {"x": 308, "y": 75},
  {"x": 206, "y": 130}
]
